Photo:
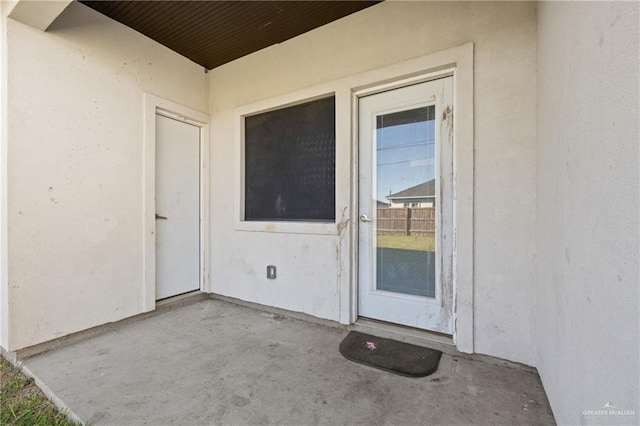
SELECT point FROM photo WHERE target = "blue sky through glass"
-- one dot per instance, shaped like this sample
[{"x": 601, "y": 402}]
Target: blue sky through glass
[{"x": 405, "y": 157}]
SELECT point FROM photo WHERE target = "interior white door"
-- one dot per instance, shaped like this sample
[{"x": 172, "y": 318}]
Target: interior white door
[
  {"x": 406, "y": 205},
  {"x": 177, "y": 207}
]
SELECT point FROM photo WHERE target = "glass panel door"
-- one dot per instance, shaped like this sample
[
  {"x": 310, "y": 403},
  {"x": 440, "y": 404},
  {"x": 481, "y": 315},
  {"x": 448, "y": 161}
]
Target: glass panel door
[
  {"x": 405, "y": 237},
  {"x": 405, "y": 163}
]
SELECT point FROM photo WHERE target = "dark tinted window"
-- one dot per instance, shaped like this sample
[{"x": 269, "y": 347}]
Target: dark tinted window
[{"x": 290, "y": 163}]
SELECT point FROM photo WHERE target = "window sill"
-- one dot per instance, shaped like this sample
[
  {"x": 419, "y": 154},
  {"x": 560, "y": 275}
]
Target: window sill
[{"x": 320, "y": 228}]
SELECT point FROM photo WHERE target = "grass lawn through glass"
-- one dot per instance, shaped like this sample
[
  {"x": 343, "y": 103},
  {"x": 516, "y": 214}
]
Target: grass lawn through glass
[{"x": 407, "y": 242}]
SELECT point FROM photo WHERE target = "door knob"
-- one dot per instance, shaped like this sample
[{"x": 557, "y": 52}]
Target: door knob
[
  {"x": 158, "y": 217},
  {"x": 365, "y": 219}
]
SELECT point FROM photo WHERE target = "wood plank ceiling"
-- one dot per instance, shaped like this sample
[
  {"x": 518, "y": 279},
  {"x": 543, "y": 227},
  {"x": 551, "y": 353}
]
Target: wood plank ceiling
[{"x": 212, "y": 33}]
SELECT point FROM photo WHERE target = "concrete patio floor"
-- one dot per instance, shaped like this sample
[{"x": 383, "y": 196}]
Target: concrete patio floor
[{"x": 214, "y": 362}]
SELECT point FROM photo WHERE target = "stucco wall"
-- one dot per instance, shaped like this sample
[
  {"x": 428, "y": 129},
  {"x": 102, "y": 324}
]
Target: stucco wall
[
  {"x": 587, "y": 267},
  {"x": 505, "y": 96},
  {"x": 4, "y": 290},
  {"x": 75, "y": 138}
]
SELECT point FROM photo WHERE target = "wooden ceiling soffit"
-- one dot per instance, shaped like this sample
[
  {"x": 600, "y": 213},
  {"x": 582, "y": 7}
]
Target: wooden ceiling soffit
[{"x": 212, "y": 33}]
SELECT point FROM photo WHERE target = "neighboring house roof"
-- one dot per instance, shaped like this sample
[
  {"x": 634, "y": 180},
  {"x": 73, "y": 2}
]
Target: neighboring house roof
[
  {"x": 381, "y": 204},
  {"x": 423, "y": 190}
]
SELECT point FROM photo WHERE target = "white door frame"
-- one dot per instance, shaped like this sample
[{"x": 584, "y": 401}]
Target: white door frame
[
  {"x": 155, "y": 105},
  {"x": 458, "y": 63}
]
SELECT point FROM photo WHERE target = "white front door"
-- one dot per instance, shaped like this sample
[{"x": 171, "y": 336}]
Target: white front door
[
  {"x": 406, "y": 205},
  {"x": 177, "y": 207}
]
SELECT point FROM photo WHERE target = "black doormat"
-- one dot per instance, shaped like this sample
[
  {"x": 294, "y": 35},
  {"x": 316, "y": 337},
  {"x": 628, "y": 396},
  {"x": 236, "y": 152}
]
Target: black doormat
[{"x": 390, "y": 355}]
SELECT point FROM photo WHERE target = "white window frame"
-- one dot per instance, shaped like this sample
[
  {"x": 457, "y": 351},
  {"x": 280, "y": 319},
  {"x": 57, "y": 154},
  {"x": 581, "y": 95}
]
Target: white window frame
[{"x": 284, "y": 226}]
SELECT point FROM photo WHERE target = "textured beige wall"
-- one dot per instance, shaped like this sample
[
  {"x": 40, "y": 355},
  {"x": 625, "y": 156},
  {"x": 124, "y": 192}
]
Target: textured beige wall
[
  {"x": 5, "y": 8},
  {"x": 588, "y": 209},
  {"x": 75, "y": 168},
  {"x": 505, "y": 97}
]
